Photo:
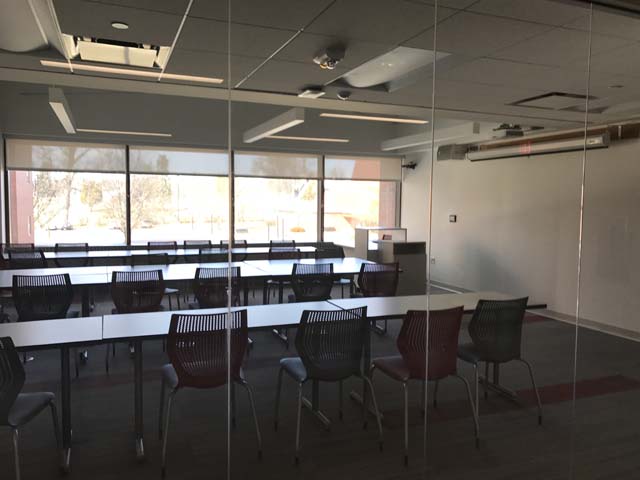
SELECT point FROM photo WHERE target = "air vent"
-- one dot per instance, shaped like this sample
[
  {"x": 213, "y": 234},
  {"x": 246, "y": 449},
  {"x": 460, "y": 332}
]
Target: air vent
[{"x": 553, "y": 101}]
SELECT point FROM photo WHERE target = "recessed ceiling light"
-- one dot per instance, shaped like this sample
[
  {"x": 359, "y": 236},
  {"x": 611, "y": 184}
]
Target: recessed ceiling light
[
  {"x": 120, "y": 25},
  {"x": 310, "y": 139},
  {"x": 129, "y": 71},
  {"x": 414, "y": 121},
  {"x": 123, "y": 132}
]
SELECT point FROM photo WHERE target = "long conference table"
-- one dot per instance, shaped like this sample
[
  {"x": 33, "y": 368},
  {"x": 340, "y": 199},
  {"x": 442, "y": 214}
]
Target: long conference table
[
  {"x": 65, "y": 334},
  {"x": 85, "y": 278}
]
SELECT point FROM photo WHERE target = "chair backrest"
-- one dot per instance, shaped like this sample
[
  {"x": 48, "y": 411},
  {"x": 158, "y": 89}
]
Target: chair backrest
[
  {"x": 236, "y": 243},
  {"x": 331, "y": 342},
  {"x": 444, "y": 328},
  {"x": 282, "y": 244},
  {"x": 214, "y": 254},
  {"x": 197, "y": 243},
  {"x": 312, "y": 281},
  {"x": 496, "y": 328},
  {"x": 387, "y": 236},
  {"x": 42, "y": 297},
  {"x": 284, "y": 253},
  {"x": 197, "y": 347},
  {"x": 210, "y": 286},
  {"x": 134, "y": 292},
  {"x": 71, "y": 247},
  {"x": 19, "y": 246},
  {"x": 330, "y": 251},
  {"x": 169, "y": 244},
  {"x": 378, "y": 279},
  {"x": 12, "y": 377},
  {"x": 27, "y": 259}
]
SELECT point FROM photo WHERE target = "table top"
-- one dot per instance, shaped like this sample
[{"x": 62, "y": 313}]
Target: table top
[
  {"x": 101, "y": 275},
  {"x": 52, "y": 333},
  {"x": 177, "y": 252}
]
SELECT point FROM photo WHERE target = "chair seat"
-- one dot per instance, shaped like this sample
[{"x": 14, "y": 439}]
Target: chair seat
[
  {"x": 294, "y": 367},
  {"x": 394, "y": 366},
  {"x": 469, "y": 353},
  {"x": 171, "y": 377},
  {"x": 27, "y": 406},
  {"x": 171, "y": 291}
]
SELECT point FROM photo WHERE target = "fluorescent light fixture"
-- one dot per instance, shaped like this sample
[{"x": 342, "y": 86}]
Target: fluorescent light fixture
[
  {"x": 155, "y": 74},
  {"x": 123, "y": 132},
  {"x": 120, "y": 25},
  {"x": 60, "y": 107},
  {"x": 288, "y": 119},
  {"x": 348, "y": 116},
  {"x": 310, "y": 139}
]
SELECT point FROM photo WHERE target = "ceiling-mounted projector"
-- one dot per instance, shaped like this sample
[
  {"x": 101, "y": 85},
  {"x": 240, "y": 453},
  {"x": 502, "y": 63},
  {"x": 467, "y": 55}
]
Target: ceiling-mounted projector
[{"x": 330, "y": 57}]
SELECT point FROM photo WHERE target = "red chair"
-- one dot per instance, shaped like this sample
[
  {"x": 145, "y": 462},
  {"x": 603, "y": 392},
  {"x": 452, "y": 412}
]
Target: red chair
[
  {"x": 197, "y": 349},
  {"x": 412, "y": 363}
]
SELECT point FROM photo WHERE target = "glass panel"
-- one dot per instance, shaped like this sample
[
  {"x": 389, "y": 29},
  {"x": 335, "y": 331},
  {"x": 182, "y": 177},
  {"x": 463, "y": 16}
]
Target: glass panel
[
  {"x": 276, "y": 209},
  {"x": 374, "y": 206},
  {"x": 250, "y": 164},
  {"x": 359, "y": 168},
  {"x": 64, "y": 156},
  {"x": 183, "y": 207},
  {"x": 181, "y": 161}
]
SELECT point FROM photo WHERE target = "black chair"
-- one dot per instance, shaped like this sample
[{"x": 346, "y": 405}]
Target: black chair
[
  {"x": 496, "y": 337},
  {"x": 330, "y": 346},
  {"x": 71, "y": 247},
  {"x": 411, "y": 364},
  {"x": 19, "y": 246},
  {"x": 17, "y": 409},
  {"x": 377, "y": 280},
  {"x": 197, "y": 243},
  {"x": 163, "y": 245},
  {"x": 335, "y": 251},
  {"x": 197, "y": 348},
  {"x": 136, "y": 292},
  {"x": 160, "y": 258},
  {"x": 20, "y": 259},
  {"x": 224, "y": 244},
  {"x": 211, "y": 285},
  {"x": 290, "y": 244},
  {"x": 212, "y": 255},
  {"x": 279, "y": 253},
  {"x": 43, "y": 297}
]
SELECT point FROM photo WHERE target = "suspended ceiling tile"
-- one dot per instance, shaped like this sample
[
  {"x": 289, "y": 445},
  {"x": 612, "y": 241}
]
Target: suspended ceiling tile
[
  {"x": 539, "y": 11},
  {"x": 211, "y": 64},
  {"x": 609, "y": 24},
  {"x": 289, "y": 77}
]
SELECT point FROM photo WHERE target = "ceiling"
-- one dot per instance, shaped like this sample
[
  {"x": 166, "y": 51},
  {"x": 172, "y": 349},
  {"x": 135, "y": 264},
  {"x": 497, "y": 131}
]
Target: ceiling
[{"x": 500, "y": 52}]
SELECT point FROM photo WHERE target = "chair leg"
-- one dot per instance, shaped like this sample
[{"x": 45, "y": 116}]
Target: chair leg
[
  {"x": 405, "y": 391},
  {"x": 278, "y": 388},
  {"x": 170, "y": 306},
  {"x": 233, "y": 404},
  {"x": 535, "y": 389},
  {"x": 486, "y": 380},
  {"x": 255, "y": 417},
  {"x": 161, "y": 411},
  {"x": 75, "y": 363},
  {"x": 473, "y": 410},
  {"x": 299, "y": 418},
  {"x": 375, "y": 407},
  {"x": 476, "y": 377},
  {"x": 106, "y": 359},
  {"x": 16, "y": 452},
  {"x": 166, "y": 433},
  {"x": 435, "y": 394}
]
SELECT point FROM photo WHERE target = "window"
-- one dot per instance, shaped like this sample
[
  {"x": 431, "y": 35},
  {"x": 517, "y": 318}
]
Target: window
[
  {"x": 178, "y": 194},
  {"x": 359, "y": 192},
  {"x": 282, "y": 206},
  {"x": 66, "y": 192}
]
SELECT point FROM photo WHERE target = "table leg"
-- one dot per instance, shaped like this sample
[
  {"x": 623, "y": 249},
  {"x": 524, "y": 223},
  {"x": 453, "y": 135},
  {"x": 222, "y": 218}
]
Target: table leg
[
  {"x": 245, "y": 286},
  {"x": 86, "y": 304},
  {"x": 65, "y": 387},
  {"x": 139, "y": 417},
  {"x": 366, "y": 362}
]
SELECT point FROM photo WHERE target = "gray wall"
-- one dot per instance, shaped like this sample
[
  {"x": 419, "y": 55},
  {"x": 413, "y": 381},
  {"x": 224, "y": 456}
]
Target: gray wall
[{"x": 518, "y": 228}]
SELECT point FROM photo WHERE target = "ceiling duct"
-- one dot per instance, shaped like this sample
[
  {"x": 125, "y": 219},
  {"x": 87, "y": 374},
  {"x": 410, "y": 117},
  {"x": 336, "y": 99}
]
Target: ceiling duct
[
  {"x": 526, "y": 149},
  {"x": 115, "y": 52}
]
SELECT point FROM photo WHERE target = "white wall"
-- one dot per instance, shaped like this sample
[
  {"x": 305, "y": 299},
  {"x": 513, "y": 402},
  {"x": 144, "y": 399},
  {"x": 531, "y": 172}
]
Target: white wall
[{"x": 518, "y": 228}]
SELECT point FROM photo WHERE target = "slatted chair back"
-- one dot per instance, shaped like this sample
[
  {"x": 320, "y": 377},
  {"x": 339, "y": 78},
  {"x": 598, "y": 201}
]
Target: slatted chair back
[
  {"x": 136, "y": 292},
  {"x": 331, "y": 342},
  {"x": 42, "y": 297},
  {"x": 284, "y": 253},
  {"x": 159, "y": 258},
  {"x": 444, "y": 328},
  {"x": 282, "y": 244},
  {"x": 312, "y": 281},
  {"x": 71, "y": 247},
  {"x": 197, "y": 347},
  {"x": 197, "y": 244},
  {"x": 496, "y": 328},
  {"x": 236, "y": 243},
  {"x": 330, "y": 251},
  {"x": 12, "y": 377},
  {"x": 378, "y": 279},
  {"x": 210, "y": 286},
  {"x": 213, "y": 254},
  {"x": 19, "y": 259},
  {"x": 19, "y": 246},
  {"x": 167, "y": 245}
]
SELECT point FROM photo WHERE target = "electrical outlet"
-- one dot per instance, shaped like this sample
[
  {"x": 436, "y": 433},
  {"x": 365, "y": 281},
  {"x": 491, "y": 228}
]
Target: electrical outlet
[{"x": 433, "y": 260}]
